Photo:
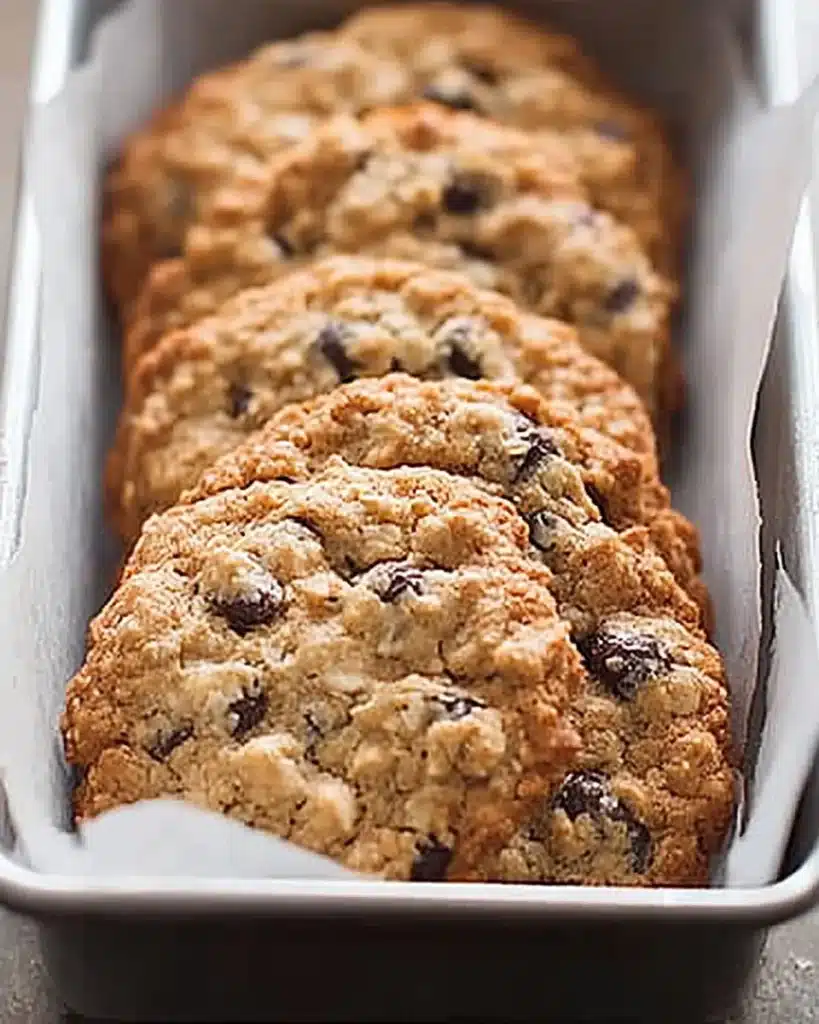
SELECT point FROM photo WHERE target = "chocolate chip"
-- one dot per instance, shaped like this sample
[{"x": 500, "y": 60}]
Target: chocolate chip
[
  {"x": 464, "y": 195},
  {"x": 286, "y": 247},
  {"x": 330, "y": 342},
  {"x": 540, "y": 446},
  {"x": 239, "y": 397},
  {"x": 543, "y": 528},
  {"x": 165, "y": 745},
  {"x": 622, "y": 661},
  {"x": 457, "y": 707},
  {"x": 612, "y": 130},
  {"x": 455, "y": 99},
  {"x": 588, "y": 792},
  {"x": 455, "y": 344},
  {"x": 431, "y": 861},
  {"x": 622, "y": 296},
  {"x": 599, "y": 503},
  {"x": 244, "y": 613},
  {"x": 481, "y": 71},
  {"x": 392, "y": 580},
  {"x": 246, "y": 712}
]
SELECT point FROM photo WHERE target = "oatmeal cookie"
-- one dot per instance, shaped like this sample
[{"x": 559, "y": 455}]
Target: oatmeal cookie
[
  {"x": 509, "y": 438},
  {"x": 442, "y": 188},
  {"x": 369, "y": 664},
  {"x": 232, "y": 121},
  {"x": 203, "y": 390},
  {"x": 366, "y": 664}
]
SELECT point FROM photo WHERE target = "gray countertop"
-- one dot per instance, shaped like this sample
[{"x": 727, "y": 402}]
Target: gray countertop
[{"x": 787, "y": 989}]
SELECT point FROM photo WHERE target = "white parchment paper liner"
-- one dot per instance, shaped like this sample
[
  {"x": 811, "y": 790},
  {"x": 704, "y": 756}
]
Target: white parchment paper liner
[{"x": 751, "y": 171}]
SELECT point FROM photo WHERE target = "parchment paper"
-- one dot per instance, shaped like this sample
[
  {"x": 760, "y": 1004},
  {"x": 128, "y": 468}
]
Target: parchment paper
[{"x": 751, "y": 169}]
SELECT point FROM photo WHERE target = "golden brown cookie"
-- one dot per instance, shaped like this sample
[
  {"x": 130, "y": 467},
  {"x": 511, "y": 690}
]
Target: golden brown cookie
[
  {"x": 504, "y": 435},
  {"x": 369, "y": 664},
  {"x": 442, "y": 188},
  {"x": 204, "y": 389}
]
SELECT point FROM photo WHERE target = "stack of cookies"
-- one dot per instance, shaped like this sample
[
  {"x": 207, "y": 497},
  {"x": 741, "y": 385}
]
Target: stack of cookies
[{"x": 403, "y": 583}]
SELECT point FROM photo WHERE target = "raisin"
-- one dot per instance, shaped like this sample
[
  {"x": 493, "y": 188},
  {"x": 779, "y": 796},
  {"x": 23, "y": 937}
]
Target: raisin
[
  {"x": 258, "y": 609},
  {"x": 391, "y": 580},
  {"x": 541, "y": 446},
  {"x": 457, "y": 707},
  {"x": 431, "y": 861},
  {"x": 330, "y": 343},
  {"x": 622, "y": 296},
  {"x": 165, "y": 745},
  {"x": 464, "y": 195},
  {"x": 588, "y": 792},
  {"x": 239, "y": 397},
  {"x": 622, "y": 661},
  {"x": 246, "y": 712},
  {"x": 455, "y": 99}
]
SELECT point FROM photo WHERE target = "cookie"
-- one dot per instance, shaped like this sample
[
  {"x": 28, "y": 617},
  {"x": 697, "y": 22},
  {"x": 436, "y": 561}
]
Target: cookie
[
  {"x": 507, "y": 437},
  {"x": 370, "y": 665},
  {"x": 225, "y": 129},
  {"x": 203, "y": 390},
  {"x": 649, "y": 799},
  {"x": 366, "y": 664},
  {"x": 442, "y": 188},
  {"x": 232, "y": 121},
  {"x": 491, "y": 62}
]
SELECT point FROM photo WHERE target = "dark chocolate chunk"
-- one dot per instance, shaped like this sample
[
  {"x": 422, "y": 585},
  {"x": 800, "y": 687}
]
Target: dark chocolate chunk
[
  {"x": 259, "y": 608},
  {"x": 239, "y": 397},
  {"x": 246, "y": 712},
  {"x": 464, "y": 195},
  {"x": 392, "y": 580},
  {"x": 541, "y": 446},
  {"x": 622, "y": 296},
  {"x": 588, "y": 792},
  {"x": 458, "y": 706},
  {"x": 455, "y": 99},
  {"x": 330, "y": 342},
  {"x": 431, "y": 861},
  {"x": 622, "y": 661},
  {"x": 165, "y": 745},
  {"x": 455, "y": 343}
]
